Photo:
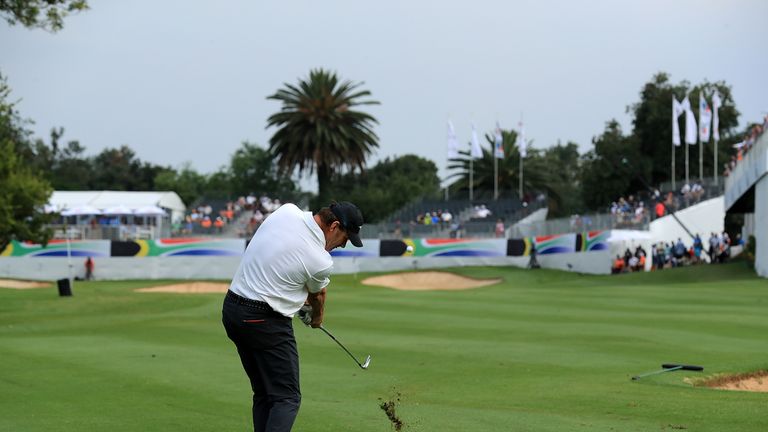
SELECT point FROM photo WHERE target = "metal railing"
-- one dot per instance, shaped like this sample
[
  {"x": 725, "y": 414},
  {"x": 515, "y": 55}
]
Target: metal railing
[
  {"x": 580, "y": 223},
  {"x": 116, "y": 233}
]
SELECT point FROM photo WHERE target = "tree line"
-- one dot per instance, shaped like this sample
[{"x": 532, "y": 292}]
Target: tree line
[
  {"x": 618, "y": 164},
  {"x": 321, "y": 129}
]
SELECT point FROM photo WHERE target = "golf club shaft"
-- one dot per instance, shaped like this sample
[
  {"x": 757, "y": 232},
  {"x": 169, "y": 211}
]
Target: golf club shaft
[
  {"x": 342, "y": 346},
  {"x": 657, "y": 372}
]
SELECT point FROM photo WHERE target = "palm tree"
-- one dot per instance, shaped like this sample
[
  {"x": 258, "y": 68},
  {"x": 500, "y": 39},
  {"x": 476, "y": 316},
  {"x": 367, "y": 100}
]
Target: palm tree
[
  {"x": 536, "y": 178},
  {"x": 319, "y": 129}
]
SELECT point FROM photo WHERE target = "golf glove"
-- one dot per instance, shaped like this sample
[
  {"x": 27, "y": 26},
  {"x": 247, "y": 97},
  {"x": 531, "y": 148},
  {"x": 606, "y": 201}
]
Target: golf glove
[{"x": 305, "y": 314}]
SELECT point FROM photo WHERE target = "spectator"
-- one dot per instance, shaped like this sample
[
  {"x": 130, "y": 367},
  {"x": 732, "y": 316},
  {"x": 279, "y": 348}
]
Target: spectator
[
  {"x": 447, "y": 218},
  {"x": 679, "y": 251},
  {"x": 500, "y": 228},
  {"x": 714, "y": 246},
  {"x": 89, "y": 266},
  {"x": 633, "y": 263},
  {"x": 618, "y": 265},
  {"x": 698, "y": 247},
  {"x": 206, "y": 223},
  {"x": 219, "y": 224}
]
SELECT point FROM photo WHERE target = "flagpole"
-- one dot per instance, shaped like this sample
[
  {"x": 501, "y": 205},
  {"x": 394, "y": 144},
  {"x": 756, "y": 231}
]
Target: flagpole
[
  {"x": 701, "y": 156},
  {"x": 715, "y": 169},
  {"x": 674, "y": 122},
  {"x": 495, "y": 177},
  {"x": 520, "y": 151},
  {"x": 520, "y": 188},
  {"x": 673, "y": 167},
  {"x": 471, "y": 176},
  {"x": 687, "y": 171}
]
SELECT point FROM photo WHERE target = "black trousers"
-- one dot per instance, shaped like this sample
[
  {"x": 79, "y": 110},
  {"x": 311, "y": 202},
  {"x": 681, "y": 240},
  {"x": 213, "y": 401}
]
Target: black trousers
[{"x": 267, "y": 349}]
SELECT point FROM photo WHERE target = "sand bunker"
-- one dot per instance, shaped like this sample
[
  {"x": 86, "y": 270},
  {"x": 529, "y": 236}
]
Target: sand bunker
[
  {"x": 189, "y": 288},
  {"x": 428, "y": 281},
  {"x": 753, "y": 381},
  {"x": 18, "y": 284}
]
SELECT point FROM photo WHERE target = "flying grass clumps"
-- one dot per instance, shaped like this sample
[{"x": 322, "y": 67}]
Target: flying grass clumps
[{"x": 389, "y": 409}]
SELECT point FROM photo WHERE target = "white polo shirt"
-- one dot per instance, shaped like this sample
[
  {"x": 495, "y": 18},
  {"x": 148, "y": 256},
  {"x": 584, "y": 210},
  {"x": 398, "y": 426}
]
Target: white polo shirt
[{"x": 286, "y": 254}]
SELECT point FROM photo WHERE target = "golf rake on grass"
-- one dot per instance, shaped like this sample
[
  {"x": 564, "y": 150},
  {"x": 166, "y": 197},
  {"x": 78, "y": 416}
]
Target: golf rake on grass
[
  {"x": 669, "y": 367},
  {"x": 363, "y": 365}
]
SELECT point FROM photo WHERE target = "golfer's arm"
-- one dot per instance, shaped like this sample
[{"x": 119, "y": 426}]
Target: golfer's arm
[{"x": 317, "y": 301}]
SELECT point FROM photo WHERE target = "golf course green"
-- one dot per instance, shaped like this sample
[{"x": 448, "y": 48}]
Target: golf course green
[{"x": 541, "y": 351}]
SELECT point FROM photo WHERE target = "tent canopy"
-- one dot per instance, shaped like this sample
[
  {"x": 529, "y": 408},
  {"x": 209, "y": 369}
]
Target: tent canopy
[{"x": 102, "y": 200}]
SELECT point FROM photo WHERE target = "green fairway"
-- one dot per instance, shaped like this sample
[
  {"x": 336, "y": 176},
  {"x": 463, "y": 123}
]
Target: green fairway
[{"x": 541, "y": 351}]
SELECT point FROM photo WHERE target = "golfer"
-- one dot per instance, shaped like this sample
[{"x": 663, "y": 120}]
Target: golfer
[{"x": 286, "y": 264}]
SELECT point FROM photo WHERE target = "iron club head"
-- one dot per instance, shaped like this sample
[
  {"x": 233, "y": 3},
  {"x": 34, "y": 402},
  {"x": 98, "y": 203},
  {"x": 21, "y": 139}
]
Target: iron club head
[{"x": 366, "y": 363}]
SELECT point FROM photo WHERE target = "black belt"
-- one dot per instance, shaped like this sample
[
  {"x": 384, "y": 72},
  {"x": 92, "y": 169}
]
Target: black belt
[{"x": 249, "y": 302}]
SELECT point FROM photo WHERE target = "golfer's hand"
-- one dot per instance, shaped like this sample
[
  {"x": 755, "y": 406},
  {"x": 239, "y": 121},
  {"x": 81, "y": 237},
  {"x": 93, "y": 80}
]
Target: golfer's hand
[
  {"x": 305, "y": 314},
  {"x": 316, "y": 322}
]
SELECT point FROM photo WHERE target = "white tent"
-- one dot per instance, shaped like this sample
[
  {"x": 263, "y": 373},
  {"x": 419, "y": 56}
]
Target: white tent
[
  {"x": 170, "y": 201},
  {"x": 152, "y": 210},
  {"x": 118, "y": 210},
  {"x": 81, "y": 210}
]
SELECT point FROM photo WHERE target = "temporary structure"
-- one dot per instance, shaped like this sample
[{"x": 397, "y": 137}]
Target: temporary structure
[{"x": 170, "y": 202}]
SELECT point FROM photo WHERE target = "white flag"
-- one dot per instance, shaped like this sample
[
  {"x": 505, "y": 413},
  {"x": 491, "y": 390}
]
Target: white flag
[
  {"x": 677, "y": 110},
  {"x": 716, "y": 104},
  {"x": 690, "y": 122},
  {"x": 705, "y": 119},
  {"x": 475, "y": 150},
  {"x": 498, "y": 143},
  {"x": 453, "y": 143},
  {"x": 520, "y": 142}
]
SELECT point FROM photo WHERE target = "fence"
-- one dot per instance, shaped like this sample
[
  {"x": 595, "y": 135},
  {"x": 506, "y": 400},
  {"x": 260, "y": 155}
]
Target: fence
[{"x": 579, "y": 223}]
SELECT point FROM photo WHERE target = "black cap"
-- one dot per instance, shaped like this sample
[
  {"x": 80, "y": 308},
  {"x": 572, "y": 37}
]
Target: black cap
[{"x": 351, "y": 220}]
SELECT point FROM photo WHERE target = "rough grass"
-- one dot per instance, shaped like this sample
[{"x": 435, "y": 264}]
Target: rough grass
[{"x": 542, "y": 351}]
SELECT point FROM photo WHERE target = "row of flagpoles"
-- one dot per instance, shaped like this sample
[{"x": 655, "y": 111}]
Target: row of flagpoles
[
  {"x": 475, "y": 151},
  {"x": 693, "y": 134}
]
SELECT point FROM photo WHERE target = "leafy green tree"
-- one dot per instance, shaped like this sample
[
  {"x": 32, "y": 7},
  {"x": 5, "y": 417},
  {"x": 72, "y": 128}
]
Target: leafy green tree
[
  {"x": 536, "y": 173},
  {"x": 120, "y": 169},
  {"x": 188, "y": 183},
  {"x": 252, "y": 169},
  {"x": 562, "y": 165},
  {"x": 652, "y": 126},
  {"x": 388, "y": 186},
  {"x": 605, "y": 176},
  {"x": 71, "y": 170},
  {"x": 23, "y": 194},
  {"x": 319, "y": 129},
  {"x": 45, "y": 14}
]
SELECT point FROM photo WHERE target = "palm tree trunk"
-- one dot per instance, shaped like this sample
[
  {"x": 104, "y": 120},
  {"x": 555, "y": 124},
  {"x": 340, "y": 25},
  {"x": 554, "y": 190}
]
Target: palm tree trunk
[{"x": 323, "y": 186}]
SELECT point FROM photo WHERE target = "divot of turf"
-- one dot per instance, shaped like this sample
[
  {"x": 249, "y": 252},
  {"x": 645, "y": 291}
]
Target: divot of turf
[{"x": 389, "y": 409}]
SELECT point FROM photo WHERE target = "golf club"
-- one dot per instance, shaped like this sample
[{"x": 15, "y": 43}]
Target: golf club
[
  {"x": 669, "y": 367},
  {"x": 364, "y": 365}
]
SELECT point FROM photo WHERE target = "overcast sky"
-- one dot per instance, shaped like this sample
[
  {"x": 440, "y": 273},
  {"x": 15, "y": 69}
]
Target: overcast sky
[{"x": 186, "y": 81}]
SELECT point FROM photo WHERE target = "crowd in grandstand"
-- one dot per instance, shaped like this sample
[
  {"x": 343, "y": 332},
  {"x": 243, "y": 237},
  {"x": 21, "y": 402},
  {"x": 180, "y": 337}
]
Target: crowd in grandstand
[
  {"x": 436, "y": 217},
  {"x": 206, "y": 219},
  {"x": 632, "y": 212},
  {"x": 745, "y": 146},
  {"x": 629, "y": 212}
]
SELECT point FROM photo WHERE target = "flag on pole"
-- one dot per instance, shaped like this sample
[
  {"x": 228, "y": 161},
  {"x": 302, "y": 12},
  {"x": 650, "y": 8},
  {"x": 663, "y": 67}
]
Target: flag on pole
[
  {"x": 716, "y": 104},
  {"x": 677, "y": 110},
  {"x": 475, "y": 150},
  {"x": 690, "y": 122},
  {"x": 705, "y": 119},
  {"x": 520, "y": 142},
  {"x": 498, "y": 143},
  {"x": 453, "y": 143}
]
